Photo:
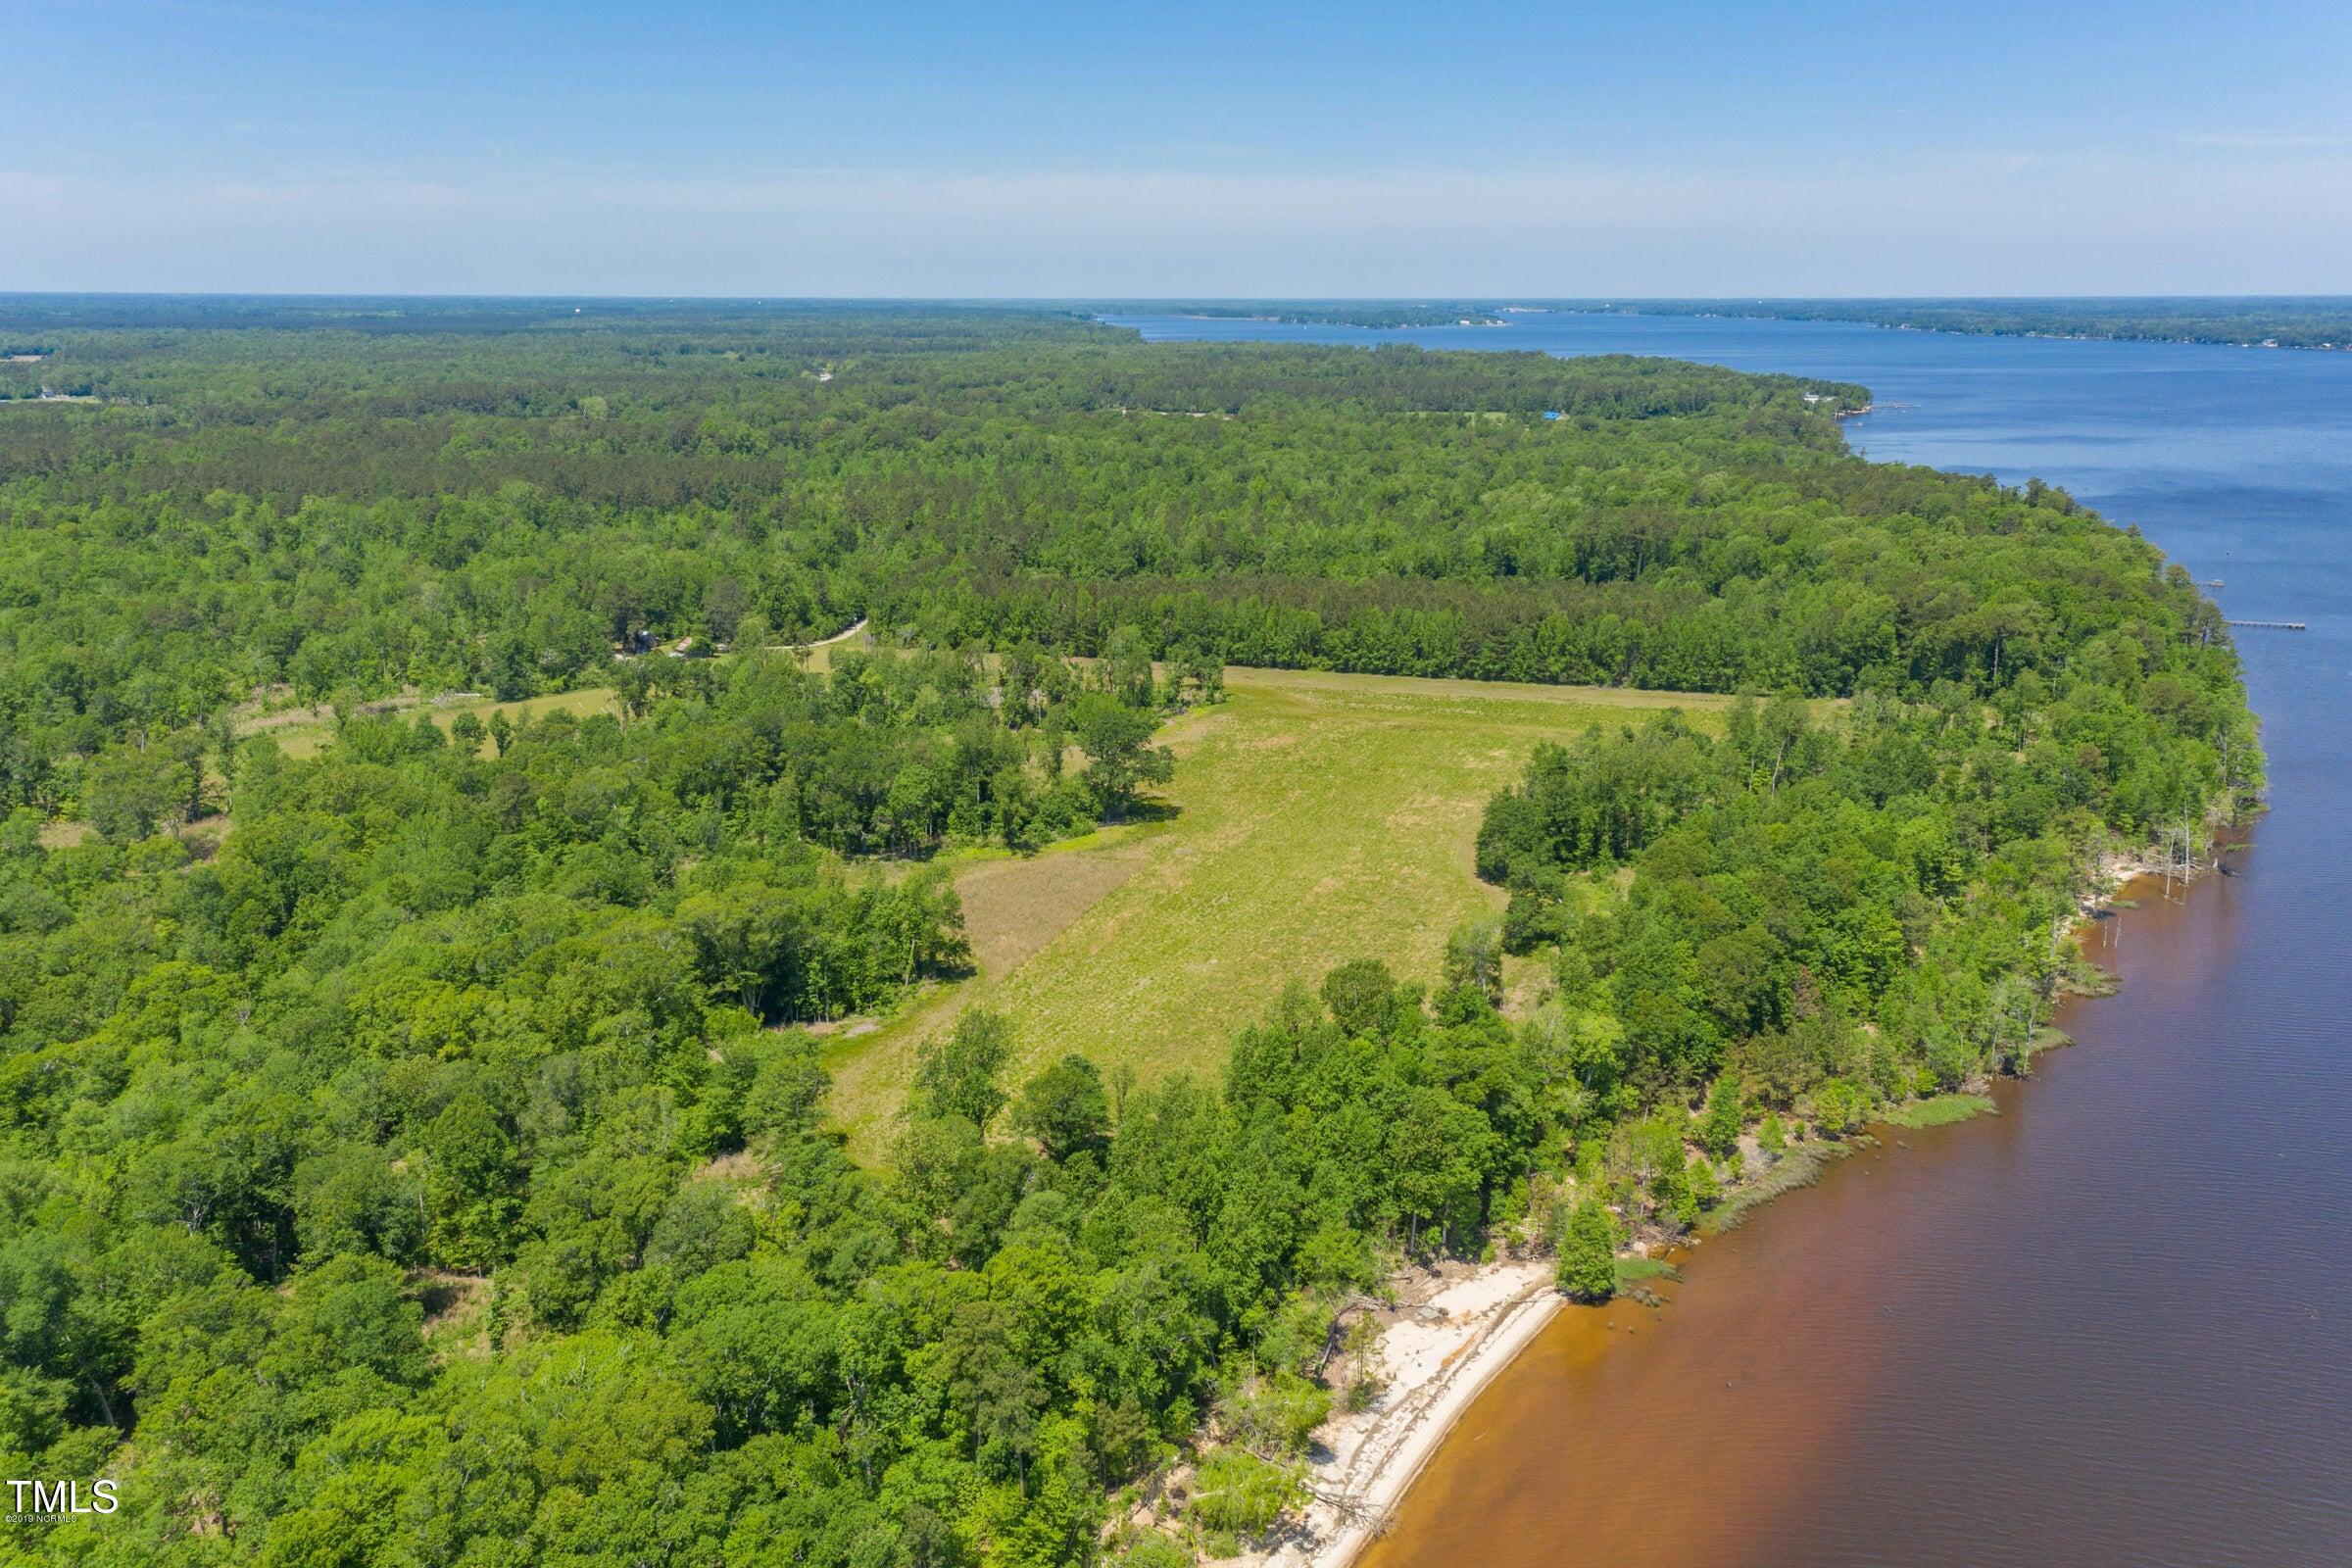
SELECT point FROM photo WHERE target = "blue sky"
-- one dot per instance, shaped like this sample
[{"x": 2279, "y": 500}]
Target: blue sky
[{"x": 1200, "y": 149}]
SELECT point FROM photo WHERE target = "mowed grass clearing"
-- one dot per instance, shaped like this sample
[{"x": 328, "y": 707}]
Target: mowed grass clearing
[
  {"x": 1316, "y": 819},
  {"x": 303, "y": 732}
]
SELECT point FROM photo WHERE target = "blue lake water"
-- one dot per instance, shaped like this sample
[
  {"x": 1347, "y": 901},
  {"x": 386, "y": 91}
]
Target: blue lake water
[{"x": 2114, "y": 1325}]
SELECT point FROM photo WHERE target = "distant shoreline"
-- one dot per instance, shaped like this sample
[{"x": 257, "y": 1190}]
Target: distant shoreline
[
  {"x": 1894, "y": 323},
  {"x": 1377, "y": 318},
  {"x": 1361, "y": 325}
]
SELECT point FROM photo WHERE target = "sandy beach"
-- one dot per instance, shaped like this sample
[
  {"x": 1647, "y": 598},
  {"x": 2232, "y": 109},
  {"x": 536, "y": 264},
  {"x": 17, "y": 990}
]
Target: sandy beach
[
  {"x": 1434, "y": 1360},
  {"x": 1438, "y": 1354}
]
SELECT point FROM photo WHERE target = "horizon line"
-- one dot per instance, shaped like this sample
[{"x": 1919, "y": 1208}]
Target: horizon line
[{"x": 1425, "y": 298}]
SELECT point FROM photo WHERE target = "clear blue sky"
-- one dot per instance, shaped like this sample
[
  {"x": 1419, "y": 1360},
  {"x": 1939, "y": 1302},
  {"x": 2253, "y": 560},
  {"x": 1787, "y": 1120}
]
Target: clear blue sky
[{"x": 1192, "y": 149}]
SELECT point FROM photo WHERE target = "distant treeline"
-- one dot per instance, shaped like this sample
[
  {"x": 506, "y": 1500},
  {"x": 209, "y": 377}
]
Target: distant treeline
[
  {"x": 2310, "y": 322},
  {"x": 1378, "y": 315},
  {"x": 350, "y": 514},
  {"x": 2321, "y": 322},
  {"x": 2317, "y": 321}
]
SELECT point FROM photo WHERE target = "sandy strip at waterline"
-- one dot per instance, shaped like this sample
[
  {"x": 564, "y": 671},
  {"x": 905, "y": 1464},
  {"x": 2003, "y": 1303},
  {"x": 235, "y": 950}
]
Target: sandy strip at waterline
[{"x": 1433, "y": 1371}]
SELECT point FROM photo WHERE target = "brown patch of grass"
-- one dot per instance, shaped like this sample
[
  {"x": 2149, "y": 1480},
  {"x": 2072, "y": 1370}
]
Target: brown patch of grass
[
  {"x": 457, "y": 1313},
  {"x": 303, "y": 732},
  {"x": 1012, "y": 907}
]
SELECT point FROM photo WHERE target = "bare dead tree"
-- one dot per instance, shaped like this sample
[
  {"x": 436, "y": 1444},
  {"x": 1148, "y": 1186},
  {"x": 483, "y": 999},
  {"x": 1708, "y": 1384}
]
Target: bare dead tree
[{"x": 1352, "y": 1510}]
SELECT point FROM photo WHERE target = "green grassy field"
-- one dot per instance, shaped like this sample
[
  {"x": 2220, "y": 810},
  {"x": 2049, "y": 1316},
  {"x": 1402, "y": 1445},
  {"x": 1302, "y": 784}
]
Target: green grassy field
[
  {"x": 1317, "y": 819},
  {"x": 302, "y": 731}
]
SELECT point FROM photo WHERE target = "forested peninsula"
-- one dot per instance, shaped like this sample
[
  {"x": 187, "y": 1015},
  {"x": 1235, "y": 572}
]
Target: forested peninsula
[
  {"x": 2313, "y": 321},
  {"x": 2316, "y": 321},
  {"x": 413, "y": 1141}
]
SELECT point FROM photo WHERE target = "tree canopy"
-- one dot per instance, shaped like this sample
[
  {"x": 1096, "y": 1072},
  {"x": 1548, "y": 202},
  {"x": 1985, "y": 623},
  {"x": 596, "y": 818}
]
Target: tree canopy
[{"x": 414, "y": 1150}]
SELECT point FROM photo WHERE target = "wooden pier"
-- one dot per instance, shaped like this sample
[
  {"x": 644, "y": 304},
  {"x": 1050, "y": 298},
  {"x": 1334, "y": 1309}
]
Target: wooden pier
[{"x": 2274, "y": 625}]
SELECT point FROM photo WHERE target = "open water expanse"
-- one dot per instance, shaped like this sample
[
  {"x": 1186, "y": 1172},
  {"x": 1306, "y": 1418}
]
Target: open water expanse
[{"x": 2114, "y": 1324}]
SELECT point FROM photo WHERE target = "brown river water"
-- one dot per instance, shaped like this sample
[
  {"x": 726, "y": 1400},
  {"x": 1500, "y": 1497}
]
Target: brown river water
[
  {"x": 1969, "y": 1345},
  {"x": 2113, "y": 1325}
]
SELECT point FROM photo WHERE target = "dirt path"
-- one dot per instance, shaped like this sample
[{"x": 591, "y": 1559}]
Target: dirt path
[
  {"x": 856, "y": 628},
  {"x": 819, "y": 653}
]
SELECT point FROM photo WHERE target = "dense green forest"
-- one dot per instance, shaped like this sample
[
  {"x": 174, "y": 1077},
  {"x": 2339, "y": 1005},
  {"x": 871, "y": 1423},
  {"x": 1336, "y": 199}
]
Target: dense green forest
[{"x": 414, "y": 1154}]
